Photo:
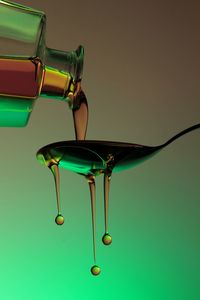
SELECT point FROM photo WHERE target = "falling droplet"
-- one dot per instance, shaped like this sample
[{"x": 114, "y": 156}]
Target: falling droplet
[
  {"x": 59, "y": 219},
  {"x": 54, "y": 168},
  {"x": 95, "y": 270},
  {"x": 107, "y": 239}
]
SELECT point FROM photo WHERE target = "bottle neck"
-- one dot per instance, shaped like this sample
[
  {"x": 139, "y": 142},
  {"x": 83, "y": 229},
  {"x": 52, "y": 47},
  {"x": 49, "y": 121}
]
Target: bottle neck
[
  {"x": 69, "y": 62},
  {"x": 62, "y": 73},
  {"x": 56, "y": 84}
]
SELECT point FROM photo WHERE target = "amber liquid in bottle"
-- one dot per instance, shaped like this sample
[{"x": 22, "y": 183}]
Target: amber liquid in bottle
[
  {"x": 20, "y": 77},
  {"x": 22, "y": 82}
]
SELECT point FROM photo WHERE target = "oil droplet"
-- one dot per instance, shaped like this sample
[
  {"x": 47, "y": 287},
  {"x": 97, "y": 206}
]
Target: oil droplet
[
  {"x": 95, "y": 270},
  {"x": 59, "y": 219},
  {"x": 107, "y": 239}
]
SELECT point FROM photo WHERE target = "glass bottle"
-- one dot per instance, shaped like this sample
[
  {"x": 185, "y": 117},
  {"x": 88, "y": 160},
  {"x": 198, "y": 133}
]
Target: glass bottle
[{"x": 29, "y": 69}]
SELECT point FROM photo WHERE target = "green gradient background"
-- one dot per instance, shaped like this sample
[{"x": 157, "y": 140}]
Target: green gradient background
[{"x": 141, "y": 77}]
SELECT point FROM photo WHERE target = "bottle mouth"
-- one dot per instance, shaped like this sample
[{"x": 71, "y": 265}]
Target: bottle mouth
[{"x": 78, "y": 65}]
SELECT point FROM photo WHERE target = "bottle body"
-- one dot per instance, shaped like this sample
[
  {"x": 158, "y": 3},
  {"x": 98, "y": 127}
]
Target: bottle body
[{"x": 28, "y": 69}]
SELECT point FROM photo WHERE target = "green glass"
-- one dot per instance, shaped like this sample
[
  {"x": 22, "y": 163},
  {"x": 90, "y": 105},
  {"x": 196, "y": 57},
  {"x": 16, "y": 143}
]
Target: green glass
[{"x": 29, "y": 69}]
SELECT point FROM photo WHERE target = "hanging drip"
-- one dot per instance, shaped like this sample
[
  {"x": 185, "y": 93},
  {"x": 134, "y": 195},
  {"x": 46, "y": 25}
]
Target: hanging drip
[
  {"x": 106, "y": 239},
  {"x": 54, "y": 168},
  {"x": 95, "y": 270}
]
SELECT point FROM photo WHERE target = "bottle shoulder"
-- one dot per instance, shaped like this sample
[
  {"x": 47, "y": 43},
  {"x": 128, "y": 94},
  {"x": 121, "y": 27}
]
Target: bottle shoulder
[
  {"x": 21, "y": 29},
  {"x": 23, "y": 8}
]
